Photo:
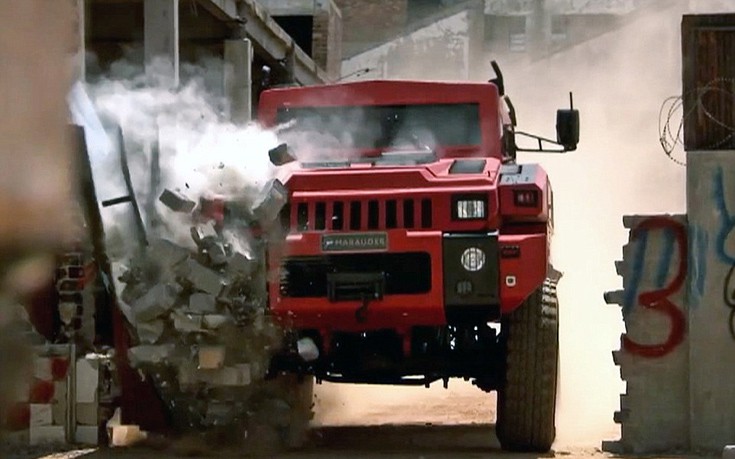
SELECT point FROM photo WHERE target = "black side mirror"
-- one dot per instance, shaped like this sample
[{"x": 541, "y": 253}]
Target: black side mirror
[{"x": 567, "y": 127}]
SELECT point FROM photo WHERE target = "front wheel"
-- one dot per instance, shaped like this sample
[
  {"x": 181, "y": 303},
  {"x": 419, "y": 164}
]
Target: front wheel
[{"x": 527, "y": 397}]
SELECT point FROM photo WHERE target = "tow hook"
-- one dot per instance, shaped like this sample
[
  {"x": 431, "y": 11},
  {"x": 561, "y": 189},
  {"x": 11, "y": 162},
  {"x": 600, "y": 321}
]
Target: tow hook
[{"x": 361, "y": 312}]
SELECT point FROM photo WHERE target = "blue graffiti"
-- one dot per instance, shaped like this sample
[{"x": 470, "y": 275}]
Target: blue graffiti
[
  {"x": 698, "y": 249},
  {"x": 630, "y": 298},
  {"x": 665, "y": 262},
  {"x": 726, "y": 229},
  {"x": 631, "y": 291},
  {"x": 728, "y": 221}
]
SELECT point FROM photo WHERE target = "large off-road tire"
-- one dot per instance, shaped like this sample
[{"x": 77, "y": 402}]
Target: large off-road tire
[{"x": 527, "y": 399}]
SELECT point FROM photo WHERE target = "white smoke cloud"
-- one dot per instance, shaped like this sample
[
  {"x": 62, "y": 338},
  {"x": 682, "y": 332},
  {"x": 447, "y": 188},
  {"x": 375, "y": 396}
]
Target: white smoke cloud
[{"x": 201, "y": 153}]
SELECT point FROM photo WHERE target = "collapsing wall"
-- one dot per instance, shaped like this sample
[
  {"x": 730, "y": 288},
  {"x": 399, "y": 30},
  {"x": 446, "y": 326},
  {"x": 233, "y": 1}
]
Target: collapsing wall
[{"x": 653, "y": 356}]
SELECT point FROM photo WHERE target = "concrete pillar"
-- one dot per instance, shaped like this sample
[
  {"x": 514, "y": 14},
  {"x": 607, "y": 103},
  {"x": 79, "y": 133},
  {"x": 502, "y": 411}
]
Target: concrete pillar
[
  {"x": 538, "y": 29},
  {"x": 161, "y": 37},
  {"x": 238, "y": 79},
  {"x": 80, "y": 61},
  {"x": 478, "y": 65},
  {"x": 711, "y": 214}
]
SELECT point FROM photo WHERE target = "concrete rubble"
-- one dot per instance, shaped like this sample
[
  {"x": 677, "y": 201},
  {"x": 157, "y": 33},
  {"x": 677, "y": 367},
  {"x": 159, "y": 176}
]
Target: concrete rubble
[
  {"x": 203, "y": 333},
  {"x": 177, "y": 201}
]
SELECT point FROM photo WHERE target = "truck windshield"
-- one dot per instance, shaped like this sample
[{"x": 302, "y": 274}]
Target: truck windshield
[{"x": 382, "y": 126}]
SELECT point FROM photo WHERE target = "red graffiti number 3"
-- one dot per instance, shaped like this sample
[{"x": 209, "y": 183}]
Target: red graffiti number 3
[{"x": 658, "y": 300}]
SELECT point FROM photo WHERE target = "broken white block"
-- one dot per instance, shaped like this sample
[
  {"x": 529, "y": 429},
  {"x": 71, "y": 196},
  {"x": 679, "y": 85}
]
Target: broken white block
[
  {"x": 215, "y": 251},
  {"x": 614, "y": 297},
  {"x": 42, "y": 368},
  {"x": 87, "y": 414},
  {"x": 156, "y": 302},
  {"x": 200, "y": 232},
  {"x": 187, "y": 323},
  {"x": 270, "y": 201},
  {"x": 87, "y": 435},
  {"x": 245, "y": 376},
  {"x": 148, "y": 353},
  {"x": 87, "y": 381},
  {"x": 215, "y": 321},
  {"x": 202, "y": 303},
  {"x": 187, "y": 374},
  {"x": 307, "y": 349},
  {"x": 126, "y": 435},
  {"x": 176, "y": 201},
  {"x": 47, "y": 435},
  {"x": 237, "y": 375},
  {"x": 166, "y": 253},
  {"x": 211, "y": 357},
  {"x": 201, "y": 278},
  {"x": 227, "y": 376},
  {"x": 240, "y": 264},
  {"x": 150, "y": 332},
  {"x": 41, "y": 414}
]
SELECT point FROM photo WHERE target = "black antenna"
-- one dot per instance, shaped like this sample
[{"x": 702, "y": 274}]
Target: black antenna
[
  {"x": 498, "y": 80},
  {"x": 571, "y": 101}
]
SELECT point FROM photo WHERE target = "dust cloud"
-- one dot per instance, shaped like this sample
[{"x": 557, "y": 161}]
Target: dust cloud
[
  {"x": 619, "y": 80},
  {"x": 200, "y": 152}
]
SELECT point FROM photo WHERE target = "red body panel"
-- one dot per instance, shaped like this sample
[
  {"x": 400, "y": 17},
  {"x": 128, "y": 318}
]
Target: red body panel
[
  {"x": 525, "y": 230},
  {"x": 528, "y": 270},
  {"x": 513, "y": 213}
]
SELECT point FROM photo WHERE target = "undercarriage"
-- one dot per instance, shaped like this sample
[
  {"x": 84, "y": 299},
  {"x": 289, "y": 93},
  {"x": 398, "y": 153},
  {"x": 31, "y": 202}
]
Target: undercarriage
[{"x": 471, "y": 352}]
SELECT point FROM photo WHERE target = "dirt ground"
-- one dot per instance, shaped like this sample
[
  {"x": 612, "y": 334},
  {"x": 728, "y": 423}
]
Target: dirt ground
[
  {"x": 375, "y": 421},
  {"x": 396, "y": 441}
]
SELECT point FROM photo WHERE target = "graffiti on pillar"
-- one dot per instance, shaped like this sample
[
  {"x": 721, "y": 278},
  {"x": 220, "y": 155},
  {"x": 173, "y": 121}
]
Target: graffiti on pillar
[
  {"x": 698, "y": 249},
  {"x": 659, "y": 299},
  {"x": 724, "y": 235}
]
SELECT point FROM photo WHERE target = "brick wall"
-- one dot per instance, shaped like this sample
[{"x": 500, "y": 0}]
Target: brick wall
[
  {"x": 653, "y": 358},
  {"x": 367, "y": 21}
]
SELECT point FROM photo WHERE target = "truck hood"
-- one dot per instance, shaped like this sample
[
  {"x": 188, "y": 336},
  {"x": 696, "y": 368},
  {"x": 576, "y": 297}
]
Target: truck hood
[{"x": 457, "y": 174}]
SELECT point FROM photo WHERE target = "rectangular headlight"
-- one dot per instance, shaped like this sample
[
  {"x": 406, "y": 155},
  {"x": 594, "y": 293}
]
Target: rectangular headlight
[{"x": 469, "y": 207}]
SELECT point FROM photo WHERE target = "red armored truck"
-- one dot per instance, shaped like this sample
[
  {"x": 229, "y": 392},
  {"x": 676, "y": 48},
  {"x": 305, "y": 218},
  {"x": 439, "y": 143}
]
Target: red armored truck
[{"x": 415, "y": 247}]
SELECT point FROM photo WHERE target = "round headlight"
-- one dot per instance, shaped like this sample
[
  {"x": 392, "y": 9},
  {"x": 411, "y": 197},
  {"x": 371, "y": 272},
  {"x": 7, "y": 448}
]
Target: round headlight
[{"x": 473, "y": 259}]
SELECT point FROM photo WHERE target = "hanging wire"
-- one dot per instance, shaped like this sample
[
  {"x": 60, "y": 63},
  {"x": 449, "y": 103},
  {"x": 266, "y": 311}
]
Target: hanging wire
[{"x": 671, "y": 118}]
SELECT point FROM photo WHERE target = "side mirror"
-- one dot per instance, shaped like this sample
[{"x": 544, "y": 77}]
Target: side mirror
[{"x": 567, "y": 127}]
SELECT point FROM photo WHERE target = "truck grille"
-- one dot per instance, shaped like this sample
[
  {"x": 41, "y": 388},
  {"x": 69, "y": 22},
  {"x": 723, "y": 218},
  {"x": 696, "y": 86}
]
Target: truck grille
[
  {"x": 359, "y": 215},
  {"x": 405, "y": 273}
]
